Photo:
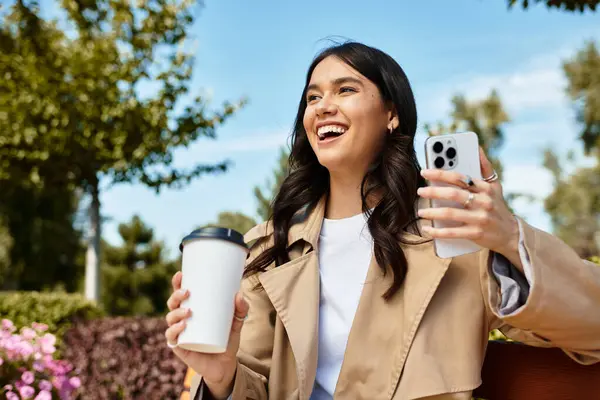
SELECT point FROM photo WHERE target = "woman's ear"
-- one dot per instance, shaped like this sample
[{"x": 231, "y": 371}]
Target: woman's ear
[{"x": 393, "y": 121}]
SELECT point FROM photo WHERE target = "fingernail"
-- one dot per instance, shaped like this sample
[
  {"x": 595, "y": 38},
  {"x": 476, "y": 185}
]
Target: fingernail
[
  {"x": 423, "y": 172},
  {"x": 419, "y": 190},
  {"x": 420, "y": 213},
  {"x": 183, "y": 292},
  {"x": 188, "y": 312}
]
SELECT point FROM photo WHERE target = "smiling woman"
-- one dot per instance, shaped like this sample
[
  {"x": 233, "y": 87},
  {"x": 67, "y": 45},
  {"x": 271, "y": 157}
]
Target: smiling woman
[
  {"x": 343, "y": 294},
  {"x": 370, "y": 162}
]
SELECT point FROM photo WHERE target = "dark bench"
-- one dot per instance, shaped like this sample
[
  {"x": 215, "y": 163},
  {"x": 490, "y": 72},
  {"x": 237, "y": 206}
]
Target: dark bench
[{"x": 517, "y": 372}]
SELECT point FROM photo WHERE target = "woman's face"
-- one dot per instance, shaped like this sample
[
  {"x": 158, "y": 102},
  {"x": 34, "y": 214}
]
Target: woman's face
[{"x": 345, "y": 119}]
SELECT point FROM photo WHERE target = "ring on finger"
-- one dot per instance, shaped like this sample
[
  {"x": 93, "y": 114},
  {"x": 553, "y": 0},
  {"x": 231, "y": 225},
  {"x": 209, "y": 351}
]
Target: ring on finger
[
  {"x": 492, "y": 178},
  {"x": 469, "y": 200},
  {"x": 469, "y": 181},
  {"x": 241, "y": 319},
  {"x": 171, "y": 345}
]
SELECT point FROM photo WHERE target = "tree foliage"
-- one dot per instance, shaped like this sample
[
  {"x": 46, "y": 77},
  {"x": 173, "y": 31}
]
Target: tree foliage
[
  {"x": 71, "y": 103},
  {"x": 566, "y": 5},
  {"x": 6, "y": 244},
  {"x": 264, "y": 199},
  {"x": 235, "y": 220},
  {"x": 574, "y": 205},
  {"x": 40, "y": 245},
  {"x": 137, "y": 274},
  {"x": 70, "y": 100},
  {"x": 583, "y": 75},
  {"x": 485, "y": 117}
]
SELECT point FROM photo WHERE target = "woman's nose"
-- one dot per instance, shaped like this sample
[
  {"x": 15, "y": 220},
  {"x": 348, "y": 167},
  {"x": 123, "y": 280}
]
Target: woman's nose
[{"x": 326, "y": 107}]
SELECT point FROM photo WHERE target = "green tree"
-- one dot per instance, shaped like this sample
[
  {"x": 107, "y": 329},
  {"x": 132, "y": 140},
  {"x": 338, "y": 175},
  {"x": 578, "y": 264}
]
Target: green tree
[
  {"x": 485, "y": 117},
  {"x": 6, "y": 244},
  {"x": 567, "y": 5},
  {"x": 42, "y": 244},
  {"x": 583, "y": 75},
  {"x": 70, "y": 101},
  {"x": 235, "y": 220},
  {"x": 264, "y": 199},
  {"x": 137, "y": 274},
  {"x": 574, "y": 205}
]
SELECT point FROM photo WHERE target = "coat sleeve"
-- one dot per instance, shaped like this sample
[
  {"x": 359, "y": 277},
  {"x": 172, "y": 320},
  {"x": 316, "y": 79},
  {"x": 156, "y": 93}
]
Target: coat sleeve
[{"x": 562, "y": 307}]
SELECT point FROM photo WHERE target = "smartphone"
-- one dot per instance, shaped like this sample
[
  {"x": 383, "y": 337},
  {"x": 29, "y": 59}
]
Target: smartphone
[{"x": 453, "y": 152}]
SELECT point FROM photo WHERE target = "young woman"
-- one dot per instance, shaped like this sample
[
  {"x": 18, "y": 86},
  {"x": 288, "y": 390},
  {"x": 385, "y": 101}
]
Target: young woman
[{"x": 343, "y": 295}]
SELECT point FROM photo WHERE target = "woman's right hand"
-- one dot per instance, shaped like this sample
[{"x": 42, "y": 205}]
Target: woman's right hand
[{"x": 218, "y": 370}]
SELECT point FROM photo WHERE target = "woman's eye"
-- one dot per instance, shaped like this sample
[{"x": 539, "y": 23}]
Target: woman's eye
[
  {"x": 347, "y": 90},
  {"x": 311, "y": 97}
]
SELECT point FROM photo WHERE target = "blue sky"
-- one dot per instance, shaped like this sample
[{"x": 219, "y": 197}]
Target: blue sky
[{"x": 261, "y": 50}]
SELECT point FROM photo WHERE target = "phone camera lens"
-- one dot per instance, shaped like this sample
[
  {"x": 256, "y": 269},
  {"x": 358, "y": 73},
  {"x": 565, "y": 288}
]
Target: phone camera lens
[
  {"x": 439, "y": 162},
  {"x": 451, "y": 152},
  {"x": 438, "y": 147}
]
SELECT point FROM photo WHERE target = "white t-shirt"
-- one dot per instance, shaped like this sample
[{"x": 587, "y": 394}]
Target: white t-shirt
[{"x": 345, "y": 251}]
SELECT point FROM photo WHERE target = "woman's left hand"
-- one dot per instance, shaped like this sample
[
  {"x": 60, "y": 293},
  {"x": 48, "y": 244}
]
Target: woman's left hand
[{"x": 486, "y": 220}]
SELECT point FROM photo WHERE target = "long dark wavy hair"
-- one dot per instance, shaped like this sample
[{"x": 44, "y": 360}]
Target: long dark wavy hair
[{"x": 394, "y": 176}]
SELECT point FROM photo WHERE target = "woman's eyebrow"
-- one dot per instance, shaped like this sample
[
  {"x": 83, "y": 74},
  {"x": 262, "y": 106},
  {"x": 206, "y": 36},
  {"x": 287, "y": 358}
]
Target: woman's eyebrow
[{"x": 336, "y": 82}]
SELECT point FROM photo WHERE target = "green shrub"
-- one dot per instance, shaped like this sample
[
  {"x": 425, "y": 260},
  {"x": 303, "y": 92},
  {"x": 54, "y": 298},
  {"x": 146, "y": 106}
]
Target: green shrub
[
  {"x": 595, "y": 259},
  {"x": 57, "y": 310},
  {"x": 497, "y": 335}
]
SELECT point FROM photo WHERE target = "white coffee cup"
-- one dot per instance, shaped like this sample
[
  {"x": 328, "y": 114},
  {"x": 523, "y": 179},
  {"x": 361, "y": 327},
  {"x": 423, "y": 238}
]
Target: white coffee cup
[{"x": 212, "y": 266}]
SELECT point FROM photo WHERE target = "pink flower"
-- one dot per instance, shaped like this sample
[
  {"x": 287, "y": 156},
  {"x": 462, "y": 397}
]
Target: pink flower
[
  {"x": 28, "y": 333},
  {"x": 8, "y": 325},
  {"x": 75, "y": 382},
  {"x": 48, "y": 349},
  {"x": 25, "y": 349},
  {"x": 58, "y": 382},
  {"x": 45, "y": 385},
  {"x": 11, "y": 396},
  {"x": 47, "y": 343},
  {"x": 48, "y": 338},
  {"x": 39, "y": 327},
  {"x": 8, "y": 388},
  {"x": 43, "y": 395},
  {"x": 27, "y": 377},
  {"x": 26, "y": 392}
]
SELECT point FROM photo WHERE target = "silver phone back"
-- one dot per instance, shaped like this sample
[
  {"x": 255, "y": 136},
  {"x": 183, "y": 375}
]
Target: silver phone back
[{"x": 465, "y": 162}]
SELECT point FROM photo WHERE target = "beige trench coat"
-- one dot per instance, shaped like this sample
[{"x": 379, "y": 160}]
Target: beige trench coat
[{"x": 429, "y": 341}]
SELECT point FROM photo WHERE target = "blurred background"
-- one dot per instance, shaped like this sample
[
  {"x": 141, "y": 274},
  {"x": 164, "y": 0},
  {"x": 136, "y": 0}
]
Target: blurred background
[{"x": 124, "y": 125}]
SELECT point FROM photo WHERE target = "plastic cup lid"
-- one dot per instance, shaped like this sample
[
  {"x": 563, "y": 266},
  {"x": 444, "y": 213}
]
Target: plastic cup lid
[{"x": 215, "y": 232}]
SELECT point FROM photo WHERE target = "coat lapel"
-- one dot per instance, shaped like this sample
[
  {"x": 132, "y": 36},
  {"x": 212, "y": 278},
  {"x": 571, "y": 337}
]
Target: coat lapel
[
  {"x": 293, "y": 289},
  {"x": 382, "y": 332}
]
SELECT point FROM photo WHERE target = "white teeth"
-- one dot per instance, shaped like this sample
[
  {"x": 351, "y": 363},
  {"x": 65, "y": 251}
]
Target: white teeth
[{"x": 330, "y": 128}]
